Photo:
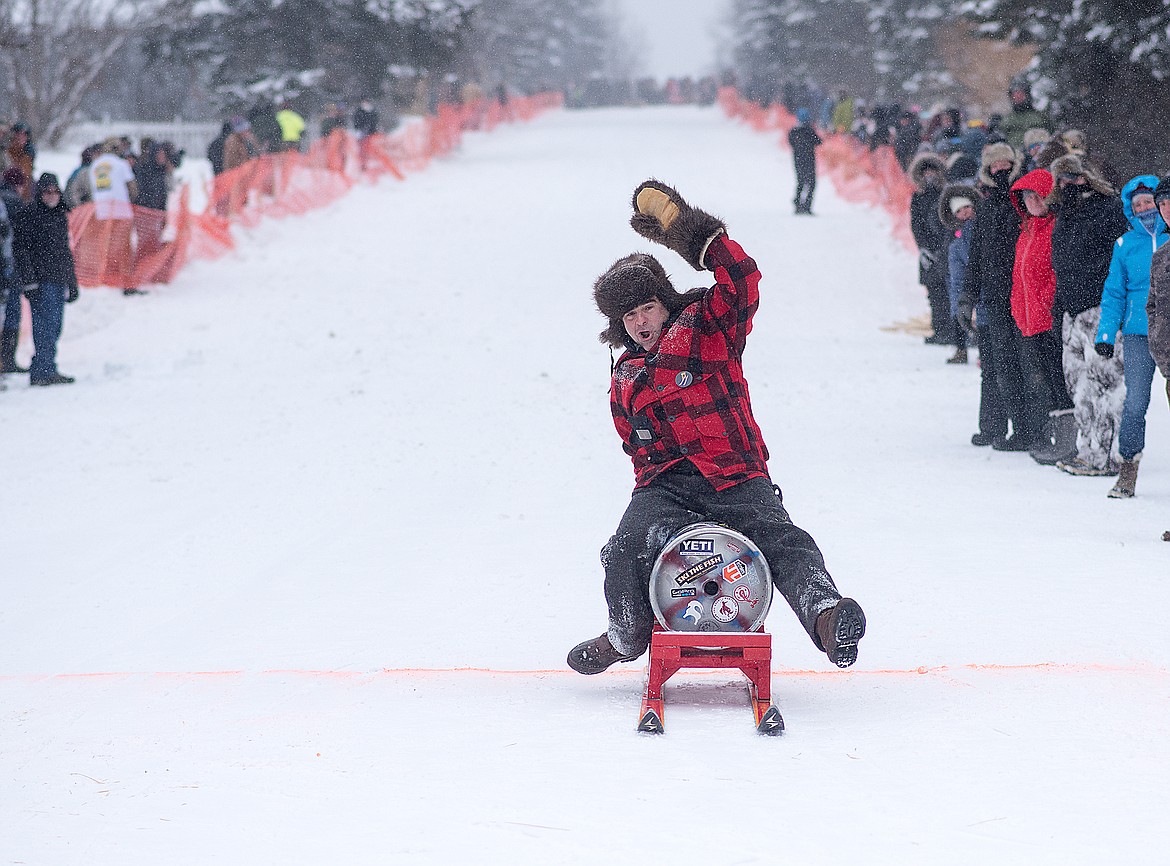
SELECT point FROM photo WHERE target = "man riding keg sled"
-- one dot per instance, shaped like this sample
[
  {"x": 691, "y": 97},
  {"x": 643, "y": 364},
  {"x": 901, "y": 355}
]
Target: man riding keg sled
[{"x": 680, "y": 403}]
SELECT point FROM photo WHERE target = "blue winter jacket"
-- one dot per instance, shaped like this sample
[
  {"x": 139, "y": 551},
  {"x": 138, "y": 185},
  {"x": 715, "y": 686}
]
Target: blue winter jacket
[
  {"x": 1123, "y": 301},
  {"x": 958, "y": 255}
]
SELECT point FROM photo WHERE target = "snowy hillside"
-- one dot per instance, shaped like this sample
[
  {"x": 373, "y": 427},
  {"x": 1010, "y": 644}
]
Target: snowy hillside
[{"x": 289, "y": 575}]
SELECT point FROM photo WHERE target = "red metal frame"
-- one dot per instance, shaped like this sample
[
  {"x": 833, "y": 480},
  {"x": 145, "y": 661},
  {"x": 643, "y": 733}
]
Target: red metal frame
[{"x": 671, "y": 651}]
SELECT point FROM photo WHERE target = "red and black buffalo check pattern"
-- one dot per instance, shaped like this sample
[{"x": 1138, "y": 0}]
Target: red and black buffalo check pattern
[{"x": 689, "y": 399}]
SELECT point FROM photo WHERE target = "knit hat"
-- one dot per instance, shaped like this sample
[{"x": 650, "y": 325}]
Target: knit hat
[
  {"x": 1139, "y": 189},
  {"x": 1162, "y": 193},
  {"x": 959, "y": 202},
  {"x": 628, "y": 283}
]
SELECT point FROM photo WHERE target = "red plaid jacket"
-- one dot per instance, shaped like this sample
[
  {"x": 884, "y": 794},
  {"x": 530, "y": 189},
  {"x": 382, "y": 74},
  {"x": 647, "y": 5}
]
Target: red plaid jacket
[{"x": 689, "y": 399}]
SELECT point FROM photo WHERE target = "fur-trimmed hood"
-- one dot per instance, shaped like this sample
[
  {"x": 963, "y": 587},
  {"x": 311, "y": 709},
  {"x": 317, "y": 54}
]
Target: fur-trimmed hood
[
  {"x": 993, "y": 153},
  {"x": 921, "y": 164},
  {"x": 629, "y": 282},
  {"x": 950, "y": 193}
]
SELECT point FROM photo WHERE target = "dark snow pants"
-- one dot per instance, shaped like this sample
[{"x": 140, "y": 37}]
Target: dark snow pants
[
  {"x": 993, "y": 420},
  {"x": 1040, "y": 363},
  {"x": 806, "y": 185},
  {"x": 679, "y": 498},
  {"x": 1005, "y": 345}
]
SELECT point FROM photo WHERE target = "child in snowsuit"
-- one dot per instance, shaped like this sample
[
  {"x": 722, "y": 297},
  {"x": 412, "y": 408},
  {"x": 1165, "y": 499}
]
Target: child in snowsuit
[
  {"x": 1123, "y": 307},
  {"x": 680, "y": 404}
]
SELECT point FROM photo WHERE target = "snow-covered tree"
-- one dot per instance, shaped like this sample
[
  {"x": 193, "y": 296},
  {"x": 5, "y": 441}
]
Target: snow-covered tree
[
  {"x": 530, "y": 44},
  {"x": 52, "y": 52},
  {"x": 1102, "y": 66}
]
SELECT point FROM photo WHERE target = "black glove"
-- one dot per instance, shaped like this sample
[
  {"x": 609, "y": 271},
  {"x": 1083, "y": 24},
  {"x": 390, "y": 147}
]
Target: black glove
[
  {"x": 926, "y": 260},
  {"x": 966, "y": 316},
  {"x": 1105, "y": 350},
  {"x": 661, "y": 215},
  {"x": 73, "y": 295}
]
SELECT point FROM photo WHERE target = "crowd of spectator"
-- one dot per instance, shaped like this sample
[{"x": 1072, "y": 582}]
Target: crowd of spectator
[
  {"x": 1030, "y": 251},
  {"x": 36, "y": 261}
]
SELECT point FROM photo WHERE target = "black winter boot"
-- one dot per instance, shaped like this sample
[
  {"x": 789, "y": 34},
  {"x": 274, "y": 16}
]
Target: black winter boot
[
  {"x": 8, "y": 341},
  {"x": 594, "y": 656},
  {"x": 839, "y": 629},
  {"x": 1059, "y": 440}
]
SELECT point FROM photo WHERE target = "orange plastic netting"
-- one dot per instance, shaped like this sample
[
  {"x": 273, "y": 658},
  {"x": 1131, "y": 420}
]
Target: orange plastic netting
[
  {"x": 153, "y": 246},
  {"x": 859, "y": 174}
]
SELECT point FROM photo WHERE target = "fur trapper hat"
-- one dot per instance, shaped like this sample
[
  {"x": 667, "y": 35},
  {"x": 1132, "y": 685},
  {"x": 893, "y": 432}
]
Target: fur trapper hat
[
  {"x": 629, "y": 282},
  {"x": 1070, "y": 163},
  {"x": 994, "y": 152},
  {"x": 1036, "y": 135},
  {"x": 1074, "y": 140},
  {"x": 1050, "y": 152},
  {"x": 923, "y": 163},
  {"x": 951, "y": 192}
]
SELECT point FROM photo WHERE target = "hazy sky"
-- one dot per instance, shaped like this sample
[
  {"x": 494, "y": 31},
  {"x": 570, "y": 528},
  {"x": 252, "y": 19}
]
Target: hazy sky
[{"x": 676, "y": 37}]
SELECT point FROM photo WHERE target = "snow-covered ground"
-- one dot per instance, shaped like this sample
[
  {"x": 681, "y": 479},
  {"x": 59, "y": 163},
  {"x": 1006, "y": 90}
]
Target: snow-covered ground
[{"x": 290, "y": 573}]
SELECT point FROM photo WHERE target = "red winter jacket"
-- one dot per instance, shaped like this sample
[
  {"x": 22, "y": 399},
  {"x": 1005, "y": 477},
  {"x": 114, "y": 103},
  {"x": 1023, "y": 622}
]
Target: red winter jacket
[
  {"x": 1033, "y": 279},
  {"x": 688, "y": 399}
]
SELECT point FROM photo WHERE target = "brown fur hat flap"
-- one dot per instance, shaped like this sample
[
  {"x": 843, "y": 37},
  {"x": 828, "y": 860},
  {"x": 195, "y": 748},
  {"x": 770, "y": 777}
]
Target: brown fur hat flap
[{"x": 1071, "y": 163}]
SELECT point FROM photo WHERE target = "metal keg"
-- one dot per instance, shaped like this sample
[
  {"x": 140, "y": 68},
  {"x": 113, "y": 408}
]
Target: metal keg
[{"x": 710, "y": 578}]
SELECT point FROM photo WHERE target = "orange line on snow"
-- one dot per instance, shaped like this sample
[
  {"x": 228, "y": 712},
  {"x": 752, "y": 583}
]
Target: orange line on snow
[{"x": 1039, "y": 667}]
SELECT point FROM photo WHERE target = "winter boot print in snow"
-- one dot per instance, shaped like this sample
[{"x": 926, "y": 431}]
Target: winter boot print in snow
[
  {"x": 1126, "y": 479},
  {"x": 1060, "y": 439}
]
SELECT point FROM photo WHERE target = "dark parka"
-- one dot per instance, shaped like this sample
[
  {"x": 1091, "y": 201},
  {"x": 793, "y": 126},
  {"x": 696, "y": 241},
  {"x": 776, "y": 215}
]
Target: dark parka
[
  {"x": 931, "y": 236},
  {"x": 993, "y": 245},
  {"x": 41, "y": 246},
  {"x": 1089, "y": 220}
]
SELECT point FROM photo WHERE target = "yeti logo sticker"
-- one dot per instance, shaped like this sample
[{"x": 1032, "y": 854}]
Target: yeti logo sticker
[
  {"x": 694, "y": 611},
  {"x": 683, "y": 379},
  {"x": 697, "y": 547},
  {"x": 698, "y": 569}
]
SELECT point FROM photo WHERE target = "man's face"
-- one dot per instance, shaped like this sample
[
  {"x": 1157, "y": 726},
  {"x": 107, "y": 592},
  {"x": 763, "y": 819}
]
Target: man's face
[
  {"x": 644, "y": 323},
  {"x": 1164, "y": 210},
  {"x": 1000, "y": 165},
  {"x": 51, "y": 196}
]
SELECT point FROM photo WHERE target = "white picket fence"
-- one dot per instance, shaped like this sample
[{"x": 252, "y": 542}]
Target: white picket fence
[{"x": 191, "y": 136}]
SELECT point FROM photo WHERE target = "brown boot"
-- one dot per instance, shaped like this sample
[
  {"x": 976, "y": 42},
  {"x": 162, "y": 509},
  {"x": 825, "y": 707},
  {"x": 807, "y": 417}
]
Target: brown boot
[
  {"x": 839, "y": 629},
  {"x": 594, "y": 656},
  {"x": 1126, "y": 479},
  {"x": 960, "y": 356}
]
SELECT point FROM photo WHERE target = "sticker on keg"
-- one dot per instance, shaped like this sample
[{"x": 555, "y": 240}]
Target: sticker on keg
[
  {"x": 734, "y": 548},
  {"x": 744, "y": 594},
  {"x": 686, "y": 592},
  {"x": 707, "y": 625},
  {"x": 733, "y": 572},
  {"x": 694, "y": 611},
  {"x": 724, "y": 609},
  {"x": 697, "y": 547},
  {"x": 698, "y": 569}
]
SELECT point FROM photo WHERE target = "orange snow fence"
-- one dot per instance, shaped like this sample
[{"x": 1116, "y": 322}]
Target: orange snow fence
[
  {"x": 859, "y": 174},
  {"x": 153, "y": 246}
]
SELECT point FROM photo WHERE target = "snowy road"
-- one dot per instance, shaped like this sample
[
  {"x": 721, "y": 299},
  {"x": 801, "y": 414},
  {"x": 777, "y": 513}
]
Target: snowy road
[{"x": 249, "y": 556}]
